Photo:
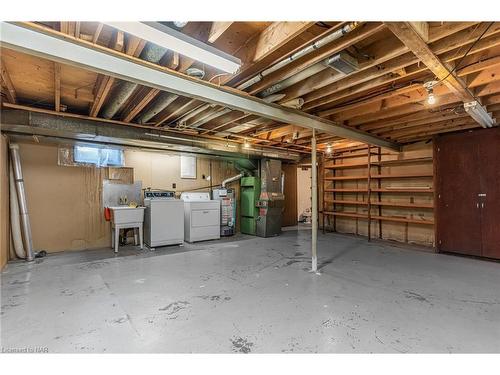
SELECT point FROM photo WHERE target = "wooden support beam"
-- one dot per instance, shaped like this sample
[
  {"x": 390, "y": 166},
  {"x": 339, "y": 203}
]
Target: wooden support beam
[
  {"x": 295, "y": 67},
  {"x": 217, "y": 29},
  {"x": 262, "y": 45},
  {"x": 118, "y": 41},
  {"x": 134, "y": 45},
  {"x": 11, "y": 91},
  {"x": 174, "y": 62},
  {"x": 422, "y": 29},
  {"x": 97, "y": 32},
  {"x": 143, "y": 102},
  {"x": 57, "y": 87},
  {"x": 77, "y": 29},
  {"x": 411, "y": 38}
]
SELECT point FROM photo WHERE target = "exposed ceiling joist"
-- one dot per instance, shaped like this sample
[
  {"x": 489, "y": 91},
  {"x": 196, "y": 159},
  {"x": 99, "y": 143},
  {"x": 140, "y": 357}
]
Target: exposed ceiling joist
[
  {"x": 118, "y": 65},
  {"x": 217, "y": 29},
  {"x": 11, "y": 91},
  {"x": 406, "y": 32},
  {"x": 57, "y": 87}
]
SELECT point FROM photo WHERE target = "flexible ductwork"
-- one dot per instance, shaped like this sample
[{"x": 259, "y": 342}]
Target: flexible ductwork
[
  {"x": 310, "y": 48},
  {"x": 182, "y": 120},
  {"x": 151, "y": 53},
  {"x": 231, "y": 179},
  {"x": 210, "y": 117},
  {"x": 158, "y": 105},
  {"x": 23, "y": 207},
  {"x": 15, "y": 226}
]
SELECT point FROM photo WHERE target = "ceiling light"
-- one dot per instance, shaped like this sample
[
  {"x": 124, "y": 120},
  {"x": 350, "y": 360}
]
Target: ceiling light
[
  {"x": 328, "y": 148},
  {"x": 176, "y": 41},
  {"x": 429, "y": 86},
  {"x": 431, "y": 99},
  {"x": 180, "y": 24},
  {"x": 479, "y": 114},
  {"x": 246, "y": 144}
]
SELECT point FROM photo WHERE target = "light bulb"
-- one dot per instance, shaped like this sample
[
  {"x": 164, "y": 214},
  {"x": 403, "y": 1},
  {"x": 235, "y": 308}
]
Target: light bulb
[
  {"x": 431, "y": 99},
  {"x": 246, "y": 144},
  {"x": 328, "y": 149}
]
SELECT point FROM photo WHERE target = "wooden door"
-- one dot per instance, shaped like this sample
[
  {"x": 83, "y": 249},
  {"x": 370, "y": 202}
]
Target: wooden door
[
  {"x": 489, "y": 199},
  {"x": 458, "y": 214},
  {"x": 290, "y": 191}
]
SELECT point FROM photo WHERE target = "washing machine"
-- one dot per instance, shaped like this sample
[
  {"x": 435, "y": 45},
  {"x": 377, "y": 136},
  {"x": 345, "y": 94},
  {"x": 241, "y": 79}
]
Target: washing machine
[
  {"x": 162, "y": 226},
  {"x": 201, "y": 217}
]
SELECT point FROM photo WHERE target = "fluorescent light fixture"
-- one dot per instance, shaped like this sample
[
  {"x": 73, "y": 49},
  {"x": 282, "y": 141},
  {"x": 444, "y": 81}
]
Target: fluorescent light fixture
[
  {"x": 174, "y": 40},
  {"x": 479, "y": 114}
]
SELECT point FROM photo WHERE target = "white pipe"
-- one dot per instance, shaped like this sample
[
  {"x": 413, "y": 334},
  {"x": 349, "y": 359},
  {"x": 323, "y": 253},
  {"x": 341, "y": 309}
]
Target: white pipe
[
  {"x": 15, "y": 226},
  {"x": 310, "y": 48},
  {"x": 231, "y": 179},
  {"x": 314, "y": 197}
]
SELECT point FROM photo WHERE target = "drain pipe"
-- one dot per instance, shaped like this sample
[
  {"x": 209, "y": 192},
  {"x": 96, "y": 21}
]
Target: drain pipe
[
  {"x": 23, "y": 207},
  {"x": 305, "y": 51},
  {"x": 15, "y": 226},
  {"x": 151, "y": 53},
  {"x": 162, "y": 102}
]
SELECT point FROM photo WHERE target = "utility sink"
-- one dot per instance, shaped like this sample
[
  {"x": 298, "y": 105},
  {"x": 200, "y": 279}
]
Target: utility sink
[{"x": 124, "y": 214}]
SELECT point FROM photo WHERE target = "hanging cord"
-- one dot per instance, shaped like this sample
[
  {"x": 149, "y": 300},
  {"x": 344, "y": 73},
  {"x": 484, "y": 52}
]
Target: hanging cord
[{"x": 466, "y": 53}]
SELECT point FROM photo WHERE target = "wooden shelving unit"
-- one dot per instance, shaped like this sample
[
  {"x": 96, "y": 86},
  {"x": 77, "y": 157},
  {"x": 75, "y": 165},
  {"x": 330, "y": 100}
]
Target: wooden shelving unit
[{"x": 370, "y": 197}]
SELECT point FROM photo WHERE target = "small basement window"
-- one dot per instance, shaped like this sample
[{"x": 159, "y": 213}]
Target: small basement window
[{"x": 100, "y": 157}]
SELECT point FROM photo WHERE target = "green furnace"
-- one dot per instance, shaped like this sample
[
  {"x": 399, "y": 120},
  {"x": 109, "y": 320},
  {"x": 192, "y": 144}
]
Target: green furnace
[{"x": 250, "y": 193}]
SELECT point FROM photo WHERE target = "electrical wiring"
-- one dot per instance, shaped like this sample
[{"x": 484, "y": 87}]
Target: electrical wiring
[{"x": 457, "y": 66}]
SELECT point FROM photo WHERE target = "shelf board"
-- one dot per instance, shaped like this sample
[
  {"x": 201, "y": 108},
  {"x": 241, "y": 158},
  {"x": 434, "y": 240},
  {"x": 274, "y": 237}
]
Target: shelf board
[
  {"x": 383, "y": 204},
  {"x": 347, "y": 166},
  {"x": 346, "y": 190},
  {"x": 406, "y": 161},
  {"x": 383, "y": 218},
  {"x": 403, "y": 220},
  {"x": 377, "y": 176},
  {"x": 403, "y": 205},
  {"x": 417, "y": 191},
  {"x": 345, "y": 178},
  {"x": 346, "y": 214},
  {"x": 409, "y": 175},
  {"x": 346, "y": 202}
]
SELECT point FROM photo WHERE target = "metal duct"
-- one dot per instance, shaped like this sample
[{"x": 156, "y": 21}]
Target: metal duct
[
  {"x": 210, "y": 117},
  {"x": 23, "y": 207},
  {"x": 306, "y": 73},
  {"x": 151, "y": 53},
  {"x": 159, "y": 104},
  {"x": 310, "y": 48}
]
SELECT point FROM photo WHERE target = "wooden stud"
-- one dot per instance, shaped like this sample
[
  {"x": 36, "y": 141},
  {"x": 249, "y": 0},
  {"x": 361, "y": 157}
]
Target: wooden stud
[{"x": 57, "y": 87}]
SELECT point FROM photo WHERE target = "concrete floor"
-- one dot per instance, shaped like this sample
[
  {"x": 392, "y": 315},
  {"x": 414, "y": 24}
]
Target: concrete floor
[{"x": 249, "y": 294}]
